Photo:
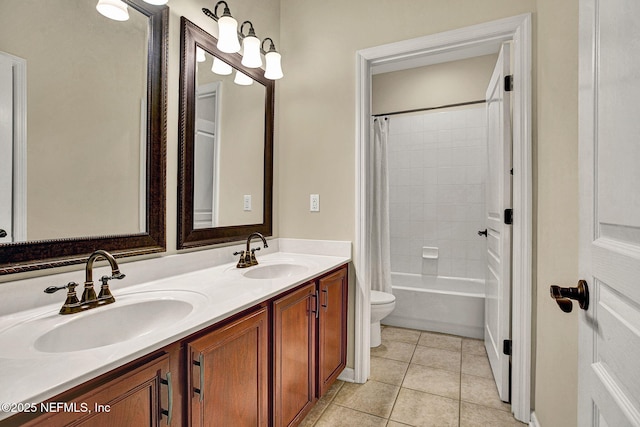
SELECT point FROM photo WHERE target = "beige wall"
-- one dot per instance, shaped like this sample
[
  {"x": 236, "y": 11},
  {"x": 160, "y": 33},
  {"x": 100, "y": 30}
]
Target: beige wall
[
  {"x": 317, "y": 142},
  {"x": 432, "y": 86}
]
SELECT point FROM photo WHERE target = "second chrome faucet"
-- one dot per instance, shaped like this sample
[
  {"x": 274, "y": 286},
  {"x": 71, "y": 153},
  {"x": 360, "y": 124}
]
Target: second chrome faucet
[{"x": 89, "y": 298}]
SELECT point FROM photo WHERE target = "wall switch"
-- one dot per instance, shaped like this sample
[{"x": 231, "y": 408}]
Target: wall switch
[
  {"x": 247, "y": 202},
  {"x": 314, "y": 203}
]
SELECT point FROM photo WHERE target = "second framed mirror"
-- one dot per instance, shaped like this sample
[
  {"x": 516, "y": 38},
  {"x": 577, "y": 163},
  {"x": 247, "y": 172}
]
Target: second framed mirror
[{"x": 225, "y": 179}]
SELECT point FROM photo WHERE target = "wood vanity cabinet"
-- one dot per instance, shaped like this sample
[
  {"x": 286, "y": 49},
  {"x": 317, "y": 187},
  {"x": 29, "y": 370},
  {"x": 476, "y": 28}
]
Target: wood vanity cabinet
[
  {"x": 139, "y": 397},
  {"x": 294, "y": 354},
  {"x": 310, "y": 345},
  {"x": 332, "y": 328},
  {"x": 228, "y": 374}
]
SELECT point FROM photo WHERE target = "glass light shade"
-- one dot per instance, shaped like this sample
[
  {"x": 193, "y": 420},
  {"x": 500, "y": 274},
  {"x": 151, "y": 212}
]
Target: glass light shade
[
  {"x": 221, "y": 67},
  {"x": 251, "y": 52},
  {"x": 156, "y": 2},
  {"x": 242, "y": 79},
  {"x": 113, "y": 9},
  {"x": 274, "y": 68},
  {"x": 228, "y": 35},
  {"x": 200, "y": 57}
]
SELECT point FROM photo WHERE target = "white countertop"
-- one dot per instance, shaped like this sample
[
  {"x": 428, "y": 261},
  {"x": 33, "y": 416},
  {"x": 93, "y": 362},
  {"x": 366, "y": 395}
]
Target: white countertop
[{"x": 31, "y": 376}]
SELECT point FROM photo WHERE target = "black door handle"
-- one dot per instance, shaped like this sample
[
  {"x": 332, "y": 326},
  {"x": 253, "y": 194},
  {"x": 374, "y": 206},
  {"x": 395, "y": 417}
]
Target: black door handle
[
  {"x": 3, "y": 233},
  {"x": 482, "y": 233},
  {"x": 563, "y": 296}
]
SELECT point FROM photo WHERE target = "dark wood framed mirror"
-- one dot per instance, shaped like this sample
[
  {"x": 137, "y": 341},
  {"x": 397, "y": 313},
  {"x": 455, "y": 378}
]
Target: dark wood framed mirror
[
  {"x": 225, "y": 178},
  {"x": 54, "y": 247}
]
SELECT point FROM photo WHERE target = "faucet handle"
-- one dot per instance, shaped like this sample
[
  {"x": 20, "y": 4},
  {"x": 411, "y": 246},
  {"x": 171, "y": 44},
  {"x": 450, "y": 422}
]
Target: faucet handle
[
  {"x": 71, "y": 304},
  {"x": 71, "y": 286}
]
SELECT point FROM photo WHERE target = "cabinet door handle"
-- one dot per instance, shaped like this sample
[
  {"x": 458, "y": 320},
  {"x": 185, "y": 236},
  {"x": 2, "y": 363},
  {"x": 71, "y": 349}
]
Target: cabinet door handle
[
  {"x": 200, "y": 363},
  {"x": 169, "y": 411},
  {"x": 325, "y": 292},
  {"x": 315, "y": 304}
]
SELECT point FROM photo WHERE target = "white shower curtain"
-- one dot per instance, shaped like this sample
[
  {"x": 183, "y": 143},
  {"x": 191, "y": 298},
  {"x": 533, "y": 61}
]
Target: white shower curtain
[{"x": 379, "y": 209}]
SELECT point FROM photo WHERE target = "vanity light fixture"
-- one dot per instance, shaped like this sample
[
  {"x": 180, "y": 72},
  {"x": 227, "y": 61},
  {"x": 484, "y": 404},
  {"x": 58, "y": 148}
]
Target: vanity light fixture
[
  {"x": 242, "y": 79},
  {"x": 220, "y": 67},
  {"x": 113, "y": 9},
  {"x": 227, "y": 28},
  {"x": 273, "y": 58},
  {"x": 250, "y": 47},
  {"x": 228, "y": 36}
]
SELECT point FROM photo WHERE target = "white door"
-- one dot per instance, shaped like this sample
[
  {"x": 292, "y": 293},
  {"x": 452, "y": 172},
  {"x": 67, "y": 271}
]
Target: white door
[
  {"x": 206, "y": 169},
  {"x": 6, "y": 149},
  {"x": 497, "y": 313},
  {"x": 609, "y": 141}
]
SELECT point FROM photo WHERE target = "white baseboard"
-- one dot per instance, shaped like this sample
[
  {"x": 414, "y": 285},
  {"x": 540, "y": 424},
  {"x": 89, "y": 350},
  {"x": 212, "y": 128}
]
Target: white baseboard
[
  {"x": 348, "y": 375},
  {"x": 534, "y": 420}
]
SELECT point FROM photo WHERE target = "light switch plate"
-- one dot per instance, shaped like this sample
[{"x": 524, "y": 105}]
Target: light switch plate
[
  {"x": 314, "y": 203},
  {"x": 247, "y": 202}
]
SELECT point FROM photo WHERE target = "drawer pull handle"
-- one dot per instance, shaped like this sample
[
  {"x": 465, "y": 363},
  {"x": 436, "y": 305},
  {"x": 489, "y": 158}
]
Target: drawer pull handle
[{"x": 169, "y": 411}]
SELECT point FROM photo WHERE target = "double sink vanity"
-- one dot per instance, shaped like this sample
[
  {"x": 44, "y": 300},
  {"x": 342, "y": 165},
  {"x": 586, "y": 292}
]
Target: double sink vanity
[{"x": 240, "y": 346}]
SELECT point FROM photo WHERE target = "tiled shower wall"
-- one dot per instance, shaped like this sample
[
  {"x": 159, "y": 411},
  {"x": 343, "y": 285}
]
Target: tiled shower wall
[{"x": 437, "y": 169}]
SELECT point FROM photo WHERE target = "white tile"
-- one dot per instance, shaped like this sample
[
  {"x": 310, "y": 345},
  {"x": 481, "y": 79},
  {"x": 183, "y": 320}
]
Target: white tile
[
  {"x": 475, "y": 175},
  {"x": 452, "y": 175},
  {"x": 430, "y": 230},
  {"x": 430, "y": 211},
  {"x": 430, "y": 176},
  {"x": 430, "y": 195},
  {"x": 444, "y": 157},
  {"x": 430, "y": 156},
  {"x": 416, "y": 211}
]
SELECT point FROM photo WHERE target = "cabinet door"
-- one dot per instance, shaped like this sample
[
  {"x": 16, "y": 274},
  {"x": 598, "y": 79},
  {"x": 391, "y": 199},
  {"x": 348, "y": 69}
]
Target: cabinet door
[
  {"x": 294, "y": 336},
  {"x": 135, "y": 399},
  {"x": 229, "y": 368},
  {"x": 332, "y": 344}
]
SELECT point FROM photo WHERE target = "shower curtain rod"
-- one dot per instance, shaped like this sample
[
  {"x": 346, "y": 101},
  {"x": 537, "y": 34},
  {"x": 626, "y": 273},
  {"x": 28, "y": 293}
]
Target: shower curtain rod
[{"x": 460, "y": 104}]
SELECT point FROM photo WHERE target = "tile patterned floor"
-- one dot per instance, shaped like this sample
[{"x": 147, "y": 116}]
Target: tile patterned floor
[{"x": 418, "y": 379}]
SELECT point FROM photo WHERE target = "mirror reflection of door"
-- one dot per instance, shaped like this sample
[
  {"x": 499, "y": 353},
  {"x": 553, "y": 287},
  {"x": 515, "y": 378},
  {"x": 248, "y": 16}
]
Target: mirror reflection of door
[
  {"x": 206, "y": 169},
  {"x": 12, "y": 147}
]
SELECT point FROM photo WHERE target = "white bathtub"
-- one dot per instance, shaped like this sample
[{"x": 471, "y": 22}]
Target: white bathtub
[{"x": 441, "y": 304}]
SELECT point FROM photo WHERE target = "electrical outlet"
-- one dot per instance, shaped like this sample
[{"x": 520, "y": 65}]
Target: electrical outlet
[
  {"x": 247, "y": 202},
  {"x": 314, "y": 203}
]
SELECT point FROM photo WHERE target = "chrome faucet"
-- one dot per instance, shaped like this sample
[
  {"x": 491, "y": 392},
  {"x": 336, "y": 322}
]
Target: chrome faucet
[
  {"x": 89, "y": 299},
  {"x": 248, "y": 256}
]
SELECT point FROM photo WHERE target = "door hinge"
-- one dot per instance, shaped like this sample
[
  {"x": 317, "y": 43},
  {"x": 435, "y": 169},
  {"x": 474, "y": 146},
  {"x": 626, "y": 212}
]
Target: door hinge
[
  {"x": 508, "y": 216},
  {"x": 508, "y": 83},
  {"x": 506, "y": 347}
]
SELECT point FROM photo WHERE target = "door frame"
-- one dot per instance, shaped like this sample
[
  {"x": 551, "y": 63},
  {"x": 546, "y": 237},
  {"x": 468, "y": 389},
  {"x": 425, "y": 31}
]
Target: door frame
[
  {"x": 19, "y": 214},
  {"x": 518, "y": 30}
]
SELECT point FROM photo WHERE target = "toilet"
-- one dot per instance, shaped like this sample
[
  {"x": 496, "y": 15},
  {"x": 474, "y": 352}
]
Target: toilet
[{"x": 382, "y": 304}]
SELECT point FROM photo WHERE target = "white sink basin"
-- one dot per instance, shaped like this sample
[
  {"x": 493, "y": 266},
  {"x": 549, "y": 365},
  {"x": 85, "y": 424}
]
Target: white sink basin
[
  {"x": 109, "y": 326},
  {"x": 274, "y": 271},
  {"x": 130, "y": 316}
]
